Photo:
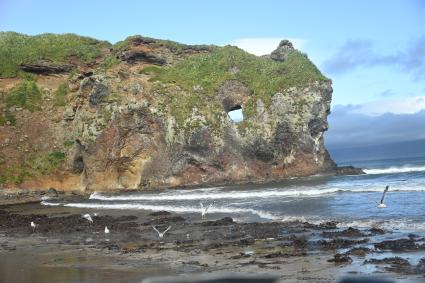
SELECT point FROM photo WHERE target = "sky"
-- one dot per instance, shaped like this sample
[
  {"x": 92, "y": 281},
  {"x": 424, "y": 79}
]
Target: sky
[{"x": 374, "y": 51}]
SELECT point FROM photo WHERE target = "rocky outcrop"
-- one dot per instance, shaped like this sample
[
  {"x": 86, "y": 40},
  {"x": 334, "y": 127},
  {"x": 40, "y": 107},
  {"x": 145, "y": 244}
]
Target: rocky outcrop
[
  {"x": 45, "y": 67},
  {"x": 282, "y": 51},
  {"x": 134, "y": 56},
  {"x": 158, "y": 117}
]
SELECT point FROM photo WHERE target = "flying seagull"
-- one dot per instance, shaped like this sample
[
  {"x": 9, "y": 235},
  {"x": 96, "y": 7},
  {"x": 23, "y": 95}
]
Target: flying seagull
[
  {"x": 88, "y": 217},
  {"x": 161, "y": 235},
  {"x": 382, "y": 204},
  {"x": 33, "y": 225},
  {"x": 107, "y": 230},
  {"x": 204, "y": 210}
]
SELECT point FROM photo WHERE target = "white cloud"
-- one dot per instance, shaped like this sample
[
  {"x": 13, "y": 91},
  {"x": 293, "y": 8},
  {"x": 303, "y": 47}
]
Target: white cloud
[
  {"x": 407, "y": 105},
  {"x": 265, "y": 45}
]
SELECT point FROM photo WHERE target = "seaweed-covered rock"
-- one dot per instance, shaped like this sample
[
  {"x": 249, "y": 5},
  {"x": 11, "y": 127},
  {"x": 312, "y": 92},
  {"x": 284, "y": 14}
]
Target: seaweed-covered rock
[
  {"x": 398, "y": 245},
  {"x": 341, "y": 259}
]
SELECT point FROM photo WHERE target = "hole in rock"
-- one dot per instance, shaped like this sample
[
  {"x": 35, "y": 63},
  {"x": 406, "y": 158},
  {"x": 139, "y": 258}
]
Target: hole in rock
[{"x": 236, "y": 114}]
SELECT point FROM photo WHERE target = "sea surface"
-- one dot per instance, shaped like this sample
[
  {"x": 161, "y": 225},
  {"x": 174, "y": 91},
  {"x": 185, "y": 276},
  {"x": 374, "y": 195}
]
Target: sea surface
[{"x": 350, "y": 200}]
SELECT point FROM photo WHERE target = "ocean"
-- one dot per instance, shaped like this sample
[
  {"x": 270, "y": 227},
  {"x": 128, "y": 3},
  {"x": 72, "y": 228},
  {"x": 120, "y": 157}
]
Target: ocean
[{"x": 349, "y": 200}]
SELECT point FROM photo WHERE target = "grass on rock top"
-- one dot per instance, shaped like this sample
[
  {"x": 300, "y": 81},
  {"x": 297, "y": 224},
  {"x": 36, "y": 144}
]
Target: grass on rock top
[
  {"x": 263, "y": 76},
  {"x": 16, "y": 49}
]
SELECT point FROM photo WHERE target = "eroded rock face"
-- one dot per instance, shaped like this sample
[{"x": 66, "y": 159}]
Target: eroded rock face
[
  {"x": 45, "y": 67},
  {"x": 129, "y": 128},
  {"x": 132, "y": 151}
]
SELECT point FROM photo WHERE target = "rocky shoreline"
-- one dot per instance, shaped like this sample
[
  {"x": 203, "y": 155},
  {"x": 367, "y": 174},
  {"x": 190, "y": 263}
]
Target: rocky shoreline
[{"x": 293, "y": 250}]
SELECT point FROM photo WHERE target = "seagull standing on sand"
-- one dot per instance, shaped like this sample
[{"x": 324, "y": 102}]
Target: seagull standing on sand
[
  {"x": 382, "y": 204},
  {"x": 33, "y": 226},
  {"x": 204, "y": 210},
  {"x": 161, "y": 235},
  {"x": 88, "y": 217},
  {"x": 107, "y": 230}
]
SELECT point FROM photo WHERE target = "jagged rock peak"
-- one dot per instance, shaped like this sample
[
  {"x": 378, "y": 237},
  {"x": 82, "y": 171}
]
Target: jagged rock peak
[{"x": 282, "y": 51}]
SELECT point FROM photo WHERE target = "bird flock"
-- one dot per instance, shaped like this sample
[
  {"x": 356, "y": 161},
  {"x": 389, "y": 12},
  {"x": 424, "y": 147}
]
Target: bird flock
[{"x": 88, "y": 217}]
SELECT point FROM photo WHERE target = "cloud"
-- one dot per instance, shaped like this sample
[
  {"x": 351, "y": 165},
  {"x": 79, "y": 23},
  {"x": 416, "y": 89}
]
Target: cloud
[
  {"x": 407, "y": 105},
  {"x": 357, "y": 53},
  {"x": 265, "y": 45},
  {"x": 349, "y": 127}
]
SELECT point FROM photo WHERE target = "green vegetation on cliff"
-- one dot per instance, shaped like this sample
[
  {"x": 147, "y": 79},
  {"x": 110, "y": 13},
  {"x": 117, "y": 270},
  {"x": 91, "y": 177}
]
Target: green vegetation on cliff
[
  {"x": 263, "y": 76},
  {"x": 26, "y": 95},
  {"x": 200, "y": 76},
  {"x": 35, "y": 165},
  {"x": 173, "y": 46},
  {"x": 60, "y": 95},
  {"x": 16, "y": 49}
]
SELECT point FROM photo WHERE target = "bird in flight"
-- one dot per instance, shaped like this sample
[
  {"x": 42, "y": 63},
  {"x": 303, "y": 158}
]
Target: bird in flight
[
  {"x": 161, "y": 234},
  {"x": 382, "y": 204},
  {"x": 204, "y": 210}
]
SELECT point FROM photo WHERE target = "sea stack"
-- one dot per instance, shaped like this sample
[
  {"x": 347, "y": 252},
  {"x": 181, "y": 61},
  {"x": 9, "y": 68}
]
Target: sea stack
[{"x": 149, "y": 113}]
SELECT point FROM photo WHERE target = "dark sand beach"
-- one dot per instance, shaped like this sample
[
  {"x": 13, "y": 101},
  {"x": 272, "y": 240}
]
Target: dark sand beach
[{"x": 65, "y": 247}]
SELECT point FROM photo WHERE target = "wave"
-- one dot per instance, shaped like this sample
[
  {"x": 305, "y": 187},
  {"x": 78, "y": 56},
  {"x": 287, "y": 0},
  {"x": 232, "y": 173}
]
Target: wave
[
  {"x": 394, "y": 170},
  {"x": 44, "y": 202},
  {"x": 391, "y": 225},
  {"x": 243, "y": 194},
  {"x": 217, "y": 195},
  {"x": 240, "y": 214},
  {"x": 178, "y": 209}
]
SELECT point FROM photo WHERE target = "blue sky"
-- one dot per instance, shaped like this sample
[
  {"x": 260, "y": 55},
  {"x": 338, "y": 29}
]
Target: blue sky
[{"x": 374, "y": 51}]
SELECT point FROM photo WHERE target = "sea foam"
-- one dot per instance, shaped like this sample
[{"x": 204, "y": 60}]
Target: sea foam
[
  {"x": 394, "y": 170},
  {"x": 171, "y": 208},
  {"x": 249, "y": 194}
]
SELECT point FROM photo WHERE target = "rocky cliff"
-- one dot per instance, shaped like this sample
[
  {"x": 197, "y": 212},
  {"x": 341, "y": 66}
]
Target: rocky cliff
[{"x": 77, "y": 113}]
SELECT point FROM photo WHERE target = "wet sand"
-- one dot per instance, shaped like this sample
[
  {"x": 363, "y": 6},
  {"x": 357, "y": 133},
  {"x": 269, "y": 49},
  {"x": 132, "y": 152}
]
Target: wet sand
[{"x": 67, "y": 248}]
